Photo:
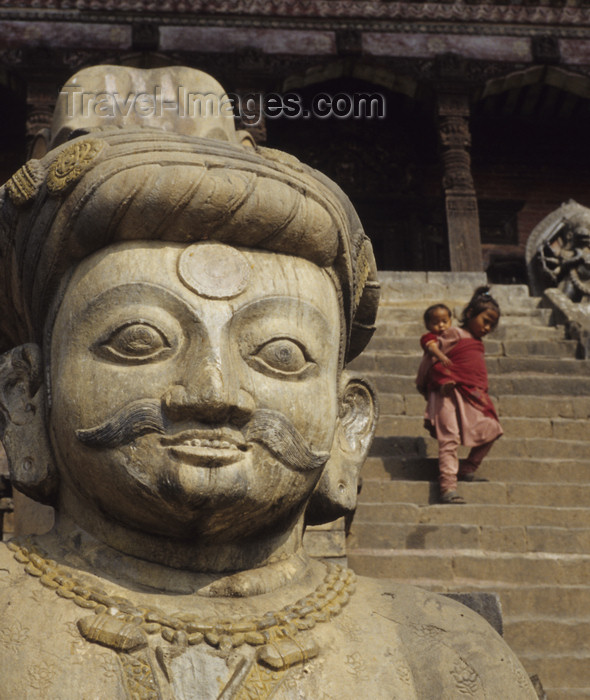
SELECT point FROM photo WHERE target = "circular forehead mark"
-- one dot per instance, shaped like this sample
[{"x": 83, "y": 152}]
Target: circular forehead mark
[{"x": 214, "y": 270}]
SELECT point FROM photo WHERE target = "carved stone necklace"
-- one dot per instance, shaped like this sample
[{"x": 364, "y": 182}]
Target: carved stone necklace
[{"x": 280, "y": 637}]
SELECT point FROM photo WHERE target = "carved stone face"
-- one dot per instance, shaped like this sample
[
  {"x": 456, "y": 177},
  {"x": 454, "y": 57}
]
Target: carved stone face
[{"x": 194, "y": 389}]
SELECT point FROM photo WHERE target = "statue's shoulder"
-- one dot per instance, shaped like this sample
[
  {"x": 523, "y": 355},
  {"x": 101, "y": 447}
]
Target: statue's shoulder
[
  {"x": 413, "y": 606},
  {"x": 16, "y": 585},
  {"x": 11, "y": 572},
  {"x": 442, "y": 639},
  {"x": 42, "y": 655}
]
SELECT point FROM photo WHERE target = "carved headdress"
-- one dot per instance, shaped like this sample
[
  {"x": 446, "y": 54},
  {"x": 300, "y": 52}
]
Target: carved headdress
[{"x": 114, "y": 175}]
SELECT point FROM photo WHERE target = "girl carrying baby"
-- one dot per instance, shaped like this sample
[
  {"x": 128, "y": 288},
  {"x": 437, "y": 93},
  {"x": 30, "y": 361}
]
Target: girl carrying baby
[{"x": 459, "y": 410}]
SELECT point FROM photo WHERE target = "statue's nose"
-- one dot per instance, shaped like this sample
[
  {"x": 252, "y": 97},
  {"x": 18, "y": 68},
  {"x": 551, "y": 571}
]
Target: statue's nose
[{"x": 209, "y": 396}]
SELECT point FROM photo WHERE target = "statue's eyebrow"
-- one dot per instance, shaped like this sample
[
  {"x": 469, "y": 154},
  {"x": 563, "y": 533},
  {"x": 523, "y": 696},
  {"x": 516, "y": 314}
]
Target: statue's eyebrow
[
  {"x": 135, "y": 292},
  {"x": 281, "y": 302}
]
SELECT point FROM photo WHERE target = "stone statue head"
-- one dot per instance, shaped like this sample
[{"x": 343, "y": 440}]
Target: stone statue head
[{"x": 178, "y": 308}]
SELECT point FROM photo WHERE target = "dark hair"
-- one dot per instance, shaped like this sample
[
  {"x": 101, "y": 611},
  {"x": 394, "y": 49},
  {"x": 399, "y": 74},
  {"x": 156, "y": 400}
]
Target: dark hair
[
  {"x": 434, "y": 307},
  {"x": 479, "y": 302}
]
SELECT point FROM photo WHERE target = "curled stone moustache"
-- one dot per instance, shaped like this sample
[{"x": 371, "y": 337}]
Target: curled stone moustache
[{"x": 270, "y": 428}]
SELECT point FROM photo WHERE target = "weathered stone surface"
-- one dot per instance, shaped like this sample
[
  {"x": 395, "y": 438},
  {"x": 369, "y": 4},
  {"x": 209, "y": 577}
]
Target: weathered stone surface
[
  {"x": 486, "y": 604},
  {"x": 326, "y": 541},
  {"x": 30, "y": 517}
]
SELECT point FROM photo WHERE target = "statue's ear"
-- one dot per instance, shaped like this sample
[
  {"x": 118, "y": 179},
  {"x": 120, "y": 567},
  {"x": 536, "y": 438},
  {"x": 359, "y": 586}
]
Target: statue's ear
[
  {"x": 23, "y": 427},
  {"x": 336, "y": 492}
]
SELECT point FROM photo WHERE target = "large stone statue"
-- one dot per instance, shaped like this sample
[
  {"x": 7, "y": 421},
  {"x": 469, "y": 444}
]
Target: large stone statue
[{"x": 178, "y": 308}]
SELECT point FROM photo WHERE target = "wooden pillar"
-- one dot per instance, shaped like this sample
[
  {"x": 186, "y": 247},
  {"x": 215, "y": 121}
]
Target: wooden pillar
[
  {"x": 41, "y": 98},
  {"x": 460, "y": 199}
]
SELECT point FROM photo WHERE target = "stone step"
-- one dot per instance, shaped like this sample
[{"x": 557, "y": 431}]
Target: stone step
[
  {"x": 559, "y": 672},
  {"x": 387, "y": 362},
  {"x": 493, "y": 468},
  {"x": 520, "y": 600},
  {"x": 430, "y": 286},
  {"x": 542, "y": 601},
  {"x": 482, "y": 514},
  {"x": 449, "y": 566},
  {"x": 493, "y": 492},
  {"x": 417, "y": 287},
  {"x": 516, "y": 383},
  {"x": 558, "y": 428},
  {"x": 410, "y": 345},
  {"x": 412, "y": 404},
  {"x": 526, "y": 306},
  {"x": 506, "y": 446},
  {"x": 552, "y": 406},
  {"x": 455, "y": 536},
  {"x": 557, "y": 347},
  {"x": 566, "y": 635},
  {"x": 526, "y": 533},
  {"x": 511, "y": 328}
]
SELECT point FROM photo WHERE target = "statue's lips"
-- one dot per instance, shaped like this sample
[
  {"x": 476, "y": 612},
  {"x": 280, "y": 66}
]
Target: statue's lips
[{"x": 211, "y": 448}]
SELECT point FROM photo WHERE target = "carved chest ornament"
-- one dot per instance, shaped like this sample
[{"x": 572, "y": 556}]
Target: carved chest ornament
[
  {"x": 279, "y": 639},
  {"x": 71, "y": 163}
]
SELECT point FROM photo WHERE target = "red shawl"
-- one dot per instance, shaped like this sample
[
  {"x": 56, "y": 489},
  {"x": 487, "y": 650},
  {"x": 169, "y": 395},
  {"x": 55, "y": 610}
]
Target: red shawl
[{"x": 468, "y": 371}]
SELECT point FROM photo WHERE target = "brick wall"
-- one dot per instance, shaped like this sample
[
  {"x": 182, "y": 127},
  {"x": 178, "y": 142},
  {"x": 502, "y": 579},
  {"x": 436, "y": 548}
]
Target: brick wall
[{"x": 536, "y": 192}]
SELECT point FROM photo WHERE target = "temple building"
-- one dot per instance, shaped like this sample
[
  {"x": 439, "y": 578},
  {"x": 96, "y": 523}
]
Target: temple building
[{"x": 454, "y": 127}]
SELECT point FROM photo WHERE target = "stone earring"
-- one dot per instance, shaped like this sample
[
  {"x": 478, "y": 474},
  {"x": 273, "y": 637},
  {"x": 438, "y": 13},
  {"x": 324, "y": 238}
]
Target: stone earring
[{"x": 23, "y": 431}]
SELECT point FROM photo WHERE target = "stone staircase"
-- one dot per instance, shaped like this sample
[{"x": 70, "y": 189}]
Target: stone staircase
[{"x": 525, "y": 534}]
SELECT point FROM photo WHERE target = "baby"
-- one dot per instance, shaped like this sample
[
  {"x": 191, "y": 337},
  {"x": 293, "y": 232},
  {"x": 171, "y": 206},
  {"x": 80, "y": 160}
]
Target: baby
[{"x": 437, "y": 318}]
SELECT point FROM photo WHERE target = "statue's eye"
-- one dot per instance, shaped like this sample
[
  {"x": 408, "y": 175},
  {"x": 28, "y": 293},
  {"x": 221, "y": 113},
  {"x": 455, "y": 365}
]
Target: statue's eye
[
  {"x": 135, "y": 342},
  {"x": 282, "y": 357}
]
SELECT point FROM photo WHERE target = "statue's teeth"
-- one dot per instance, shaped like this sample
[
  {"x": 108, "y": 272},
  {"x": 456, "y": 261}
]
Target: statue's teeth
[{"x": 204, "y": 442}]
